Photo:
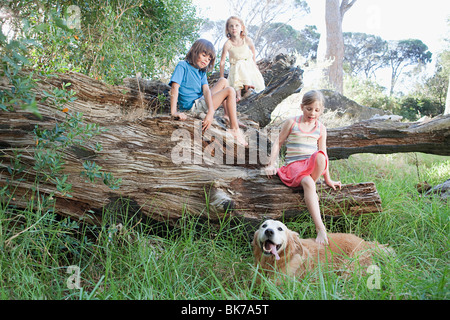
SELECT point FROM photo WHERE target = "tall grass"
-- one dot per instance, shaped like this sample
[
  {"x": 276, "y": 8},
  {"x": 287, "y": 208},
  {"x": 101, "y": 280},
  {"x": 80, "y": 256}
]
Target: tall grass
[{"x": 131, "y": 259}]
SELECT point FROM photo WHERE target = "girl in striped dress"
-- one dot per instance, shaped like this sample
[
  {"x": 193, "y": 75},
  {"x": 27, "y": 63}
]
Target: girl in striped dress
[{"x": 306, "y": 156}]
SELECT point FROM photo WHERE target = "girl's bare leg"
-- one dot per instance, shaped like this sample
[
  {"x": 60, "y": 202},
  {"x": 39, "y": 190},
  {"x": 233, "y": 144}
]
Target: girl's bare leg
[
  {"x": 312, "y": 204},
  {"x": 312, "y": 199},
  {"x": 248, "y": 90},
  {"x": 321, "y": 163}
]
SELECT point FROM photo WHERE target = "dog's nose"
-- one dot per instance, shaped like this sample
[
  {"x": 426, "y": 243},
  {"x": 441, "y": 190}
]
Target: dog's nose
[{"x": 268, "y": 232}]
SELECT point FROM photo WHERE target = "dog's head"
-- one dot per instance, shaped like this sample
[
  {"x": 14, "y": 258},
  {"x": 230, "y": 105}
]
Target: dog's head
[{"x": 271, "y": 238}]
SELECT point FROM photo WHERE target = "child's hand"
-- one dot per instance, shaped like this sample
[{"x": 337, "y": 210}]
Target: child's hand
[
  {"x": 270, "y": 171},
  {"x": 334, "y": 184},
  {"x": 180, "y": 115},
  {"x": 207, "y": 121},
  {"x": 322, "y": 237}
]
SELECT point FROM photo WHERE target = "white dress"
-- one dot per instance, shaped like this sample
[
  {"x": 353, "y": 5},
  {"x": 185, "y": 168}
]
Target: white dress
[{"x": 243, "y": 70}]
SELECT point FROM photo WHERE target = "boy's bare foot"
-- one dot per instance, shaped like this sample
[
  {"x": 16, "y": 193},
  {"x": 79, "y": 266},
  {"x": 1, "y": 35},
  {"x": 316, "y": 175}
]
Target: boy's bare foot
[
  {"x": 239, "y": 136},
  {"x": 227, "y": 122}
]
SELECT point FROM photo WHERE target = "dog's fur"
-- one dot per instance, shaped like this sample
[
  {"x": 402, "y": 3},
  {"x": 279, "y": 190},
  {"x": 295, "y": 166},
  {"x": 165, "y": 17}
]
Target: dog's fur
[{"x": 277, "y": 249}]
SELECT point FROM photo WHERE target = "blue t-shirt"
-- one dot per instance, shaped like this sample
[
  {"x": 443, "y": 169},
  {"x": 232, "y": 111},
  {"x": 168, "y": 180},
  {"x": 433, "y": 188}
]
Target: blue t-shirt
[{"x": 191, "y": 81}]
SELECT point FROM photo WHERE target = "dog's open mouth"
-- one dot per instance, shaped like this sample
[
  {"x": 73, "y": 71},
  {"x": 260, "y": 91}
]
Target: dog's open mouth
[{"x": 271, "y": 248}]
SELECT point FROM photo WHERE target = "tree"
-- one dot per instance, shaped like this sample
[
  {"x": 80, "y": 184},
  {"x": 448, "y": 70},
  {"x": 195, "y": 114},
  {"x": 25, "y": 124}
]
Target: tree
[
  {"x": 447, "y": 100},
  {"x": 281, "y": 37},
  {"x": 364, "y": 53},
  {"x": 405, "y": 53},
  {"x": 109, "y": 40},
  {"x": 208, "y": 180},
  {"x": 263, "y": 14},
  {"x": 436, "y": 86},
  {"x": 309, "y": 42},
  {"x": 334, "y": 14},
  {"x": 217, "y": 29},
  {"x": 445, "y": 58}
]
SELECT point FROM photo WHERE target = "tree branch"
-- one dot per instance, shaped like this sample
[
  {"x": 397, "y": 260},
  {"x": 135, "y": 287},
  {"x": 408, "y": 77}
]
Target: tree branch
[{"x": 345, "y": 6}]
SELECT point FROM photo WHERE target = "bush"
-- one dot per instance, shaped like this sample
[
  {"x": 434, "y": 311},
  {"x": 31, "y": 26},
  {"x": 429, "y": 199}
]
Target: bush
[
  {"x": 108, "y": 42},
  {"x": 413, "y": 107},
  {"x": 367, "y": 93}
]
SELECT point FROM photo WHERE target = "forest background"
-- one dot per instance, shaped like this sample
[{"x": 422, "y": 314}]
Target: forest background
[
  {"x": 112, "y": 40},
  {"x": 398, "y": 74}
]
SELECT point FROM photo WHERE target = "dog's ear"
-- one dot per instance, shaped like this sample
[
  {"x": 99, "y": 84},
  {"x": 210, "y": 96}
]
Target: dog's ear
[
  {"x": 293, "y": 242},
  {"x": 255, "y": 237}
]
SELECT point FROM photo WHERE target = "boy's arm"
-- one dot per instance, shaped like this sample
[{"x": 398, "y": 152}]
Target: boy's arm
[
  {"x": 174, "y": 100},
  {"x": 209, "y": 103}
]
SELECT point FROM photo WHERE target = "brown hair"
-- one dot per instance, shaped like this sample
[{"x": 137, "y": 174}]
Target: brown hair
[
  {"x": 201, "y": 46},
  {"x": 312, "y": 96},
  {"x": 243, "y": 31}
]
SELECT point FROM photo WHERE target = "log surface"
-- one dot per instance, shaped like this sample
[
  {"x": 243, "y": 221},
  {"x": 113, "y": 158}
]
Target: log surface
[
  {"x": 139, "y": 147},
  {"x": 383, "y": 136}
]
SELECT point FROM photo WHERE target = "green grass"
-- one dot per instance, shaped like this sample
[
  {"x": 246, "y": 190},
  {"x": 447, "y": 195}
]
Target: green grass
[{"x": 194, "y": 260}]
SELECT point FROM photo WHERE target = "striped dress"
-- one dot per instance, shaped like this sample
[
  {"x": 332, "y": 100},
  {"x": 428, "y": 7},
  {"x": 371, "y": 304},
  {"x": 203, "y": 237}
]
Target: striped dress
[
  {"x": 301, "y": 145},
  {"x": 301, "y": 154}
]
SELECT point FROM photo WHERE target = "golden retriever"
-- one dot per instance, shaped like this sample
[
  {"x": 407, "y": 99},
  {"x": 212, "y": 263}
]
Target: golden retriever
[{"x": 277, "y": 249}]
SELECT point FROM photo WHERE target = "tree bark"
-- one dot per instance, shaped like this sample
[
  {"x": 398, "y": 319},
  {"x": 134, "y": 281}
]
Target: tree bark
[
  {"x": 140, "y": 153},
  {"x": 382, "y": 135},
  {"x": 447, "y": 100},
  {"x": 215, "y": 179},
  {"x": 334, "y": 14}
]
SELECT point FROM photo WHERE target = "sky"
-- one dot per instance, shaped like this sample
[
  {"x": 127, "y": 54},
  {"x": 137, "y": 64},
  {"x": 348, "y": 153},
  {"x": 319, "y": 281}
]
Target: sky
[{"x": 389, "y": 19}]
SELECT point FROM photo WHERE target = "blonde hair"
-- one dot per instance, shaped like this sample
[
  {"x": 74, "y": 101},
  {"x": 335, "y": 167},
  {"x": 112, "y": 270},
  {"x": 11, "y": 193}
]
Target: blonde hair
[
  {"x": 201, "y": 46},
  {"x": 227, "y": 24},
  {"x": 312, "y": 96}
]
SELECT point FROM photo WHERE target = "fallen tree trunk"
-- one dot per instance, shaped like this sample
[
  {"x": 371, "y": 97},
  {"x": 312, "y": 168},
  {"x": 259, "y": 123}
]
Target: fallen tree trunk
[
  {"x": 140, "y": 153},
  {"x": 282, "y": 79},
  {"x": 382, "y": 135},
  {"x": 167, "y": 167}
]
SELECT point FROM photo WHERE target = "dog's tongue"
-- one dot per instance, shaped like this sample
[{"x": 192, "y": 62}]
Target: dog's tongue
[{"x": 273, "y": 249}]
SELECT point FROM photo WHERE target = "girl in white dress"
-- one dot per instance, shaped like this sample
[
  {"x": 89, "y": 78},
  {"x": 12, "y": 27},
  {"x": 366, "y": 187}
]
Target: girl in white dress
[{"x": 244, "y": 73}]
